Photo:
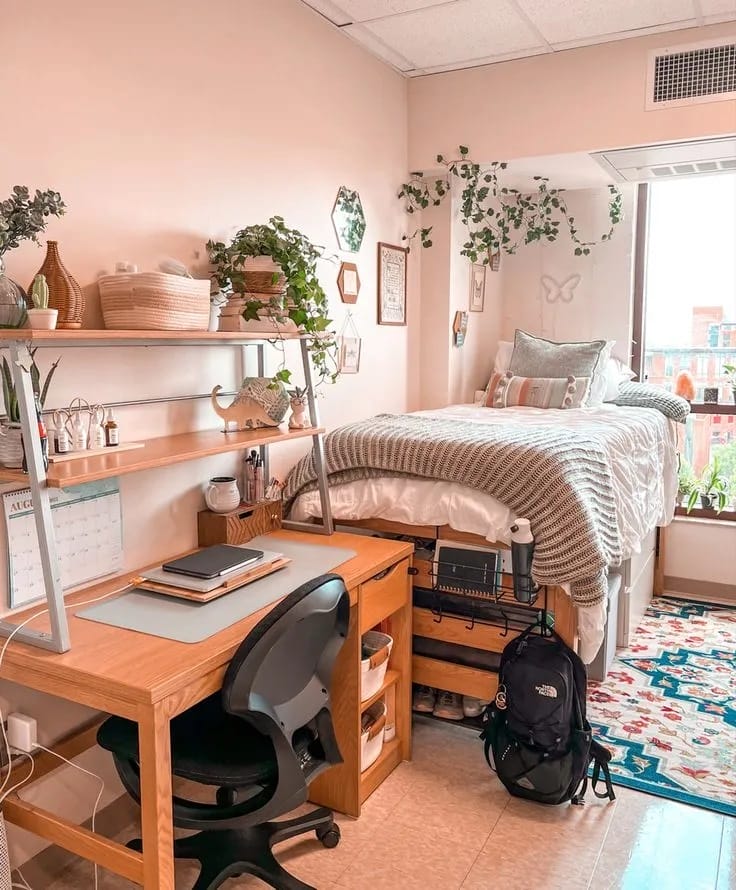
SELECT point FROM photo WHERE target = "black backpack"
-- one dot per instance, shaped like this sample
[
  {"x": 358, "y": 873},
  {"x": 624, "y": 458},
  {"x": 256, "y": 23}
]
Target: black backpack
[{"x": 536, "y": 729}]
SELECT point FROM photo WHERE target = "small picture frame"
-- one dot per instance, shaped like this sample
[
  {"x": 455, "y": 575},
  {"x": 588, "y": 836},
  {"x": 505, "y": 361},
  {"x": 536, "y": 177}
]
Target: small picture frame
[
  {"x": 391, "y": 284},
  {"x": 348, "y": 282},
  {"x": 349, "y": 355},
  {"x": 710, "y": 395},
  {"x": 477, "y": 287},
  {"x": 460, "y": 327}
]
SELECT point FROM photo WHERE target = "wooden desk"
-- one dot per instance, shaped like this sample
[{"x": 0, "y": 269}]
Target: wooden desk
[{"x": 150, "y": 680}]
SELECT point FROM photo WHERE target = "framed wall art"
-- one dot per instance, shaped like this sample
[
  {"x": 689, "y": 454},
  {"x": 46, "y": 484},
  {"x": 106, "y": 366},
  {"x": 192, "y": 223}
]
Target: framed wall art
[
  {"x": 391, "y": 284},
  {"x": 477, "y": 287},
  {"x": 348, "y": 282},
  {"x": 349, "y": 355}
]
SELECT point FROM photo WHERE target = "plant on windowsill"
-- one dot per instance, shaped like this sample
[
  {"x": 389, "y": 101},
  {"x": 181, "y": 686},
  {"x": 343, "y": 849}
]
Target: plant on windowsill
[
  {"x": 11, "y": 448},
  {"x": 499, "y": 218},
  {"x": 686, "y": 482},
  {"x": 269, "y": 273},
  {"x": 730, "y": 371},
  {"x": 712, "y": 488}
]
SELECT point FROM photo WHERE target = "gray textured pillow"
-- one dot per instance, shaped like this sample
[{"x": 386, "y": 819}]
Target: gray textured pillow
[
  {"x": 646, "y": 395},
  {"x": 537, "y": 357}
]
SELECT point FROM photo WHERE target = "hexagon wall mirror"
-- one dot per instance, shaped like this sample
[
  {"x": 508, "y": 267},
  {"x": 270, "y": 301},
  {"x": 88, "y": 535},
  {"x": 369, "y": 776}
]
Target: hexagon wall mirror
[
  {"x": 348, "y": 219},
  {"x": 348, "y": 282}
]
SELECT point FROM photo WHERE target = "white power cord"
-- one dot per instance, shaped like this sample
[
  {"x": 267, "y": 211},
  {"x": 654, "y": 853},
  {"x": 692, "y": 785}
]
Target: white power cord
[{"x": 3, "y": 792}]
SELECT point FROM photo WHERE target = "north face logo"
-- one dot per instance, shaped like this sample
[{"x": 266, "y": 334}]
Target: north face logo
[{"x": 547, "y": 691}]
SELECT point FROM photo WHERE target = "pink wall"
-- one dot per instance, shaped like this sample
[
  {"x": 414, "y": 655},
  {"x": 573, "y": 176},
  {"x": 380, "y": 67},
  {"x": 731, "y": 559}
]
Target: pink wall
[
  {"x": 579, "y": 100},
  {"x": 165, "y": 123}
]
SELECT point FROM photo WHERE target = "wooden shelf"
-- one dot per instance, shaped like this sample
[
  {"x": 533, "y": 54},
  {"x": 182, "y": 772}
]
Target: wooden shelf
[
  {"x": 389, "y": 680},
  {"x": 138, "y": 338},
  {"x": 710, "y": 408},
  {"x": 388, "y": 760},
  {"x": 160, "y": 452}
]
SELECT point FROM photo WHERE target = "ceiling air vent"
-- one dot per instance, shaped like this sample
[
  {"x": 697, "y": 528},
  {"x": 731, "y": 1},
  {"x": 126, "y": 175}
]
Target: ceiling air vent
[
  {"x": 692, "y": 73},
  {"x": 647, "y": 162}
]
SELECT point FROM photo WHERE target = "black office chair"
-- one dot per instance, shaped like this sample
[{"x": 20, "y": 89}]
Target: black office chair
[{"x": 261, "y": 741}]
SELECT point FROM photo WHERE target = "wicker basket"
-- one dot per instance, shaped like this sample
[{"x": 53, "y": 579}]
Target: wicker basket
[
  {"x": 238, "y": 527},
  {"x": 259, "y": 282},
  {"x": 154, "y": 301}
]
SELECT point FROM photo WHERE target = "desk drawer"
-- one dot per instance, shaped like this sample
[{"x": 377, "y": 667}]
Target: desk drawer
[
  {"x": 383, "y": 595},
  {"x": 454, "y": 677}
]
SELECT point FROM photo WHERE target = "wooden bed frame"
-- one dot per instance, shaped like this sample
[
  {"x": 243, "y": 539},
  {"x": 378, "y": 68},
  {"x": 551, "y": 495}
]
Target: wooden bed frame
[{"x": 478, "y": 682}]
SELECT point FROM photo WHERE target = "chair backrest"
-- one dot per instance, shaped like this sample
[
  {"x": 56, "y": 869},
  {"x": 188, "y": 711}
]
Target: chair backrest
[{"x": 279, "y": 678}]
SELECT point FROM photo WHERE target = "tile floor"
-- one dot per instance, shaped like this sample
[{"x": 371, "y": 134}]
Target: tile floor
[{"x": 443, "y": 822}]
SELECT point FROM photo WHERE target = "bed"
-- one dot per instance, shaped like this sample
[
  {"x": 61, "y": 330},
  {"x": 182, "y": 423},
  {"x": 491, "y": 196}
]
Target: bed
[{"x": 638, "y": 446}]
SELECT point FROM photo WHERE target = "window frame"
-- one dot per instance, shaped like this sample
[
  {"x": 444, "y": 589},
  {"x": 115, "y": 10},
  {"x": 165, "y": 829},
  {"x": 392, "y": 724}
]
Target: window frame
[{"x": 638, "y": 335}]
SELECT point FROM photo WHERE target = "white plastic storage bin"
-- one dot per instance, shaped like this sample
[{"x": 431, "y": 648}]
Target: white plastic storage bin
[
  {"x": 372, "y": 725},
  {"x": 376, "y": 649}
]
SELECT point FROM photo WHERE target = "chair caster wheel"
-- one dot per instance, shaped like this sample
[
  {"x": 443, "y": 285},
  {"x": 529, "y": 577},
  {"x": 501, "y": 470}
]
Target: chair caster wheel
[
  {"x": 135, "y": 844},
  {"x": 329, "y": 835}
]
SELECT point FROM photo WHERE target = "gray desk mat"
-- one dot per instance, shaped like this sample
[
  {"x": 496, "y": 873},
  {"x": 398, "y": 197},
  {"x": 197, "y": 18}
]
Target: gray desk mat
[{"x": 188, "y": 622}]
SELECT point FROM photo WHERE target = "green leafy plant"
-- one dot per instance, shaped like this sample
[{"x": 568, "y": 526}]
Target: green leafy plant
[
  {"x": 730, "y": 372},
  {"x": 499, "y": 218},
  {"x": 305, "y": 302},
  {"x": 23, "y": 218},
  {"x": 713, "y": 487},
  {"x": 687, "y": 481},
  {"x": 12, "y": 408}
]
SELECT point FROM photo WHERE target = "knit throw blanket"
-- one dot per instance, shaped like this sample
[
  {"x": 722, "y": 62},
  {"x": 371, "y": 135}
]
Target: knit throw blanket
[{"x": 557, "y": 478}]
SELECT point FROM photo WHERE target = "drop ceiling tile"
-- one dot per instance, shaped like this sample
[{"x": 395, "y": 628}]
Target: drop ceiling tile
[
  {"x": 366, "y": 10},
  {"x": 639, "y": 32},
  {"x": 378, "y": 48},
  {"x": 330, "y": 11},
  {"x": 455, "y": 32},
  {"x": 567, "y": 20}
]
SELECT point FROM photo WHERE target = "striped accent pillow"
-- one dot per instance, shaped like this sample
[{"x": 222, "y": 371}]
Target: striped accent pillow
[{"x": 506, "y": 391}]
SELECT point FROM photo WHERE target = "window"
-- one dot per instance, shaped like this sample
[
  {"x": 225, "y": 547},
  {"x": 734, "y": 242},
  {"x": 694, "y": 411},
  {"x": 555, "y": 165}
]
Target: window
[{"x": 688, "y": 307}]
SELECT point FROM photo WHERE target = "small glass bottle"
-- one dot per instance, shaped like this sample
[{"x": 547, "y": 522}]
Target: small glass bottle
[{"x": 112, "y": 433}]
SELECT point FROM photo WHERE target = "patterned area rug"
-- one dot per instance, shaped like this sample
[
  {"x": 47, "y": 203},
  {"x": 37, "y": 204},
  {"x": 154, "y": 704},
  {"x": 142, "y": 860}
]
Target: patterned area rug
[{"x": 667, "y": 709}]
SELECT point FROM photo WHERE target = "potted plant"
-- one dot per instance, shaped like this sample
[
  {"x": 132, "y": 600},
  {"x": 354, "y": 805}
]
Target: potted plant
[
  {"x": 41, "y": 318},
  {"x": 686, "y": 482},
  {"x": 270, "y": 271},
  {"x": 11, "y": 447},
  {"x": 22, "y": 218},
  {"x": 712, "y": 488},
  {"x": 730, "y": 371}
]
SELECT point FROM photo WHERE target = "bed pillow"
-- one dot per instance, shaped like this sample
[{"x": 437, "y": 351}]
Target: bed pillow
[
  {"x": 507, "y": 391},
  {"x": 617, "y": 373},
  {"x": 503, "y": 356},
  {"x": 646, "y": 395},
  {"x": 537, "y": 357}
]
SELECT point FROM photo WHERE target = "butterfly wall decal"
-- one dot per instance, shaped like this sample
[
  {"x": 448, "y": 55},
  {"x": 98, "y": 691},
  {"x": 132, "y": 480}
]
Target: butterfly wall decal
[{"x": 555, "y": 291}]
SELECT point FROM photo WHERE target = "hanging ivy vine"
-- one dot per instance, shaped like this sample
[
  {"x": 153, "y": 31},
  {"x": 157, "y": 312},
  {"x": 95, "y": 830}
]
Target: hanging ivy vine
[{"x": 499, "y": 218}]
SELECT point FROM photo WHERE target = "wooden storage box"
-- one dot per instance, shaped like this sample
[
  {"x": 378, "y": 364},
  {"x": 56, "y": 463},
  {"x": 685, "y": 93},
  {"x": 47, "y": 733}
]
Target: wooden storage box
[{"x": 238, "y": 527}]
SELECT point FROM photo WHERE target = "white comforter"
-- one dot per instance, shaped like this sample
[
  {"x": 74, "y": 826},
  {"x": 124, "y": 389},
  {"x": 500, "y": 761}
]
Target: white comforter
[{"x": 644, "y": 471}]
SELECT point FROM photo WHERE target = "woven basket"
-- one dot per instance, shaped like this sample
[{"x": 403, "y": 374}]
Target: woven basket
[
  {"x": 154, "y": 301},
  {"x": 259, "y": 282},
  {"x": 65, "y": 294}
]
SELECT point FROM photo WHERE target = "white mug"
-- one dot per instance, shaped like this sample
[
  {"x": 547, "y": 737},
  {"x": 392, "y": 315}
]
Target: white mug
[{"x": 222, "y": 495}]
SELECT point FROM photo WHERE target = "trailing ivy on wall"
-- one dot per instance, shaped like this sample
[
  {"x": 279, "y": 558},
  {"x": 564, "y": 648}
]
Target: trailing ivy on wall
[{"x": 499, "y": 218}]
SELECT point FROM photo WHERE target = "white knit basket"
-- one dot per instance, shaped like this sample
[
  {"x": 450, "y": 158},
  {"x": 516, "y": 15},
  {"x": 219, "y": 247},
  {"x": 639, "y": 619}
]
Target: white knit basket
[
  {"x": 154, "y": 301},
  {"x": 5, "y": 875}
]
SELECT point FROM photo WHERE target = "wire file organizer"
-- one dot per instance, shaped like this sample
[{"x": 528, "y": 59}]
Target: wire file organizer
[{"x": 470, "y": 584}]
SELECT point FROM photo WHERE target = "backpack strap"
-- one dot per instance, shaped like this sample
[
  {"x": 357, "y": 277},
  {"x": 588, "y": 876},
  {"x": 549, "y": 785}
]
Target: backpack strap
[{"x": 601, "y": 757}]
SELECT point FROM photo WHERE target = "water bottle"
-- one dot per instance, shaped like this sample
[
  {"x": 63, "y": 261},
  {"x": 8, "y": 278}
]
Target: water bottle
[{"x": 522, "y": 551}]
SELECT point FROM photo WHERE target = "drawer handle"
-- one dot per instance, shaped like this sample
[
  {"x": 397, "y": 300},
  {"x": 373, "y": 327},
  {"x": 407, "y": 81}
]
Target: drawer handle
[{"x": 383, "y": 574}]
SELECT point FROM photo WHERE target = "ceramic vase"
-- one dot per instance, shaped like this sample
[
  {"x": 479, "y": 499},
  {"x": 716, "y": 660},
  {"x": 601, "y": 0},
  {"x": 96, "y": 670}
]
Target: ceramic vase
[
  {"x": 65, "y": 294},
  {"x": 12, "y": 301}
]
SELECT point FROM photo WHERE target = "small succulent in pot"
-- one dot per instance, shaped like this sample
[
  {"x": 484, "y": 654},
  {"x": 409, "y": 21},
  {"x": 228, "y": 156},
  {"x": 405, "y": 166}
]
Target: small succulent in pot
[
  {"x": 41, "y": 317},
  {"x": 712, "y": 488}
]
